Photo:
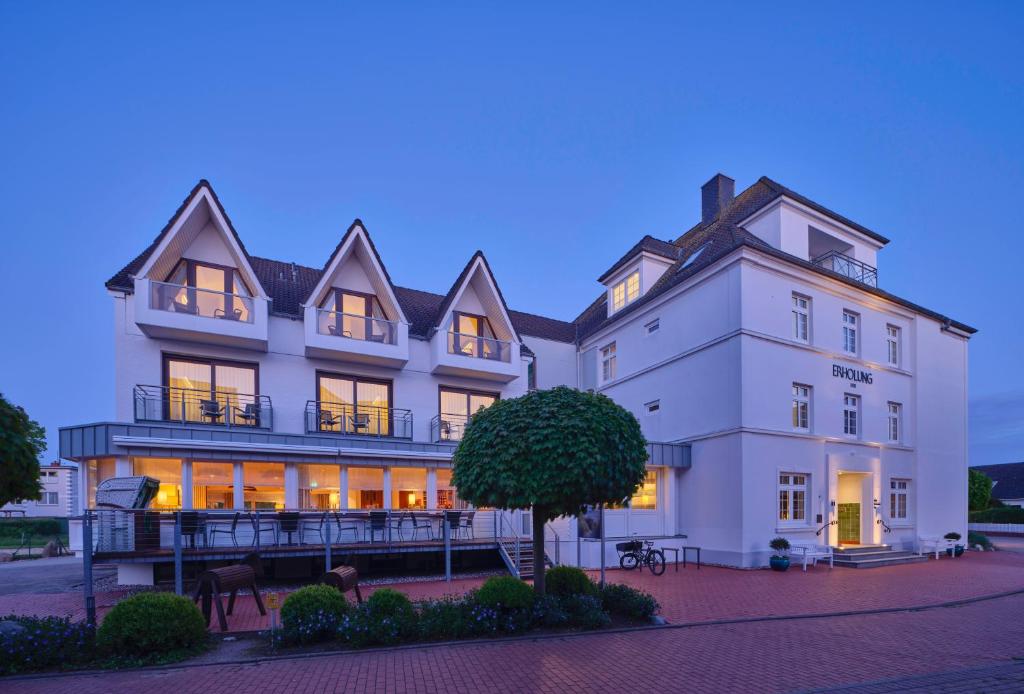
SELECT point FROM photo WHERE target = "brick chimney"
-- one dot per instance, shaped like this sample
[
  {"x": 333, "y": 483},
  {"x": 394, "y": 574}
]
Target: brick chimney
[{"x": 715, "y": 196}]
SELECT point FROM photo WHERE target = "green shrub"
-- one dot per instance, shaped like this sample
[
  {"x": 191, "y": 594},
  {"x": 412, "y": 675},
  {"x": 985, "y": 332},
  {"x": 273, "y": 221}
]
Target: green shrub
[
  {"x": 41, "y": 528},
  {"x": 386, "y": 618},
  {"x": 1001, "y": 514},
  {"x": 312, "y": 614},
  {"x": 388, "y": 603},
  {"x": 628, "y": 602},
  {"x": 152, "y": 624},
  {"x": 568, "y": 580},
  {"x": 585, "y": 612},
  {"x": 976, "y": 538},
  {"x": 505, "y": 593},
  {"x": 445, "y": 620},
  {"x": 46, "y": 643},
  {"x": 548, "y": 613}
]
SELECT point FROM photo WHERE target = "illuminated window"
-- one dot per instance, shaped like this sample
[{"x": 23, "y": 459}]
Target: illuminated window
[
  {"x": 646, "y": 497},
  {"x": 801, "y": 407},
  {"x": 898, "y": 492},
  {"x": 792, "y": 497},
  {"x": 447, "y": 495},
  {"x": 801, "y": 318},
  {"x": 264, "y": 486},
  {"x": 627, "y": 291},
  {"x": 213, "y": 485},
  {"x": 96, "y": 472},
  {"x": 319, "y": 487},
  {"x": 408, "y": 487},
  {"x": 365, "y": 487},
  {"x": 608, "y": 363},
  {"x": 457, "y": 406},
  {"x": 168, "y": 472}
]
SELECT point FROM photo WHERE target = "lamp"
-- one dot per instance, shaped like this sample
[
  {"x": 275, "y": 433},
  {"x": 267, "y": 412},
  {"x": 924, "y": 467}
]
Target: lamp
[{"x": 412, "y": 498}]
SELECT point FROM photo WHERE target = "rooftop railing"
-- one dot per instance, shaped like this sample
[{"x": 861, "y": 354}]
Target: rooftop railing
[
  {"x": 194, "y": 301},
  {"x": 479, "y": 347},
  {"x": 357, "y": 420},
  {"x": 193, "y": 406},
  {"x": 448, "y": 427},
  {"x": 848, "y": 267},
  {"x": 356, "y": 327}
]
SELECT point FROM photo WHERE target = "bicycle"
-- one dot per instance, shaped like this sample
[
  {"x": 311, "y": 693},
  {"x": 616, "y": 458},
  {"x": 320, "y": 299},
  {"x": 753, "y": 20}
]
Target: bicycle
[{"x": 641, "y": 553}]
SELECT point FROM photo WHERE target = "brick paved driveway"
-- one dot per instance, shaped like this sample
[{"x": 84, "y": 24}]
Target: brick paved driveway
[{"x": 754, "y": 656}]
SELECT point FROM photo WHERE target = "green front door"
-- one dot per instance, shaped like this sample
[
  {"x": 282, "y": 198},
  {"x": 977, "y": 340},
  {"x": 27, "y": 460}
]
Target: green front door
[{"x": 849, "y": 524}]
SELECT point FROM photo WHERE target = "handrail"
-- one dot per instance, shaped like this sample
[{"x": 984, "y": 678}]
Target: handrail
[
  {"x": 374, "y": 329},
  {"x": 183, "y": 298},
  {"x": 497, "y": 350},
  {"x": 558, "y": 543},
  {"x": 199, "y": 406},
  {"x": 324, "y": 416},
  {"x": 831, "y": 522},
  {"x": 885, "y": 526},
  {"x": 848, "y": 267},
  {"x": 448, "y": 427}
]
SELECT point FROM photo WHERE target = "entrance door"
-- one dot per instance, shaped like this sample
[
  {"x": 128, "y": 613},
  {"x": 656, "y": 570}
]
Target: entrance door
[{"x": 849, "y": 524}]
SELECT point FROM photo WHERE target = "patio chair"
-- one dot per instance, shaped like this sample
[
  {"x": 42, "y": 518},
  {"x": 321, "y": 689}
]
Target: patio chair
[
  {"x": 260, "y": 526},
  {"x": 211, "y": 410},
  {"x": 421, "y": 522},
  {"x": 233, "y": 314},
  {"x": 466, "y": 524},
  {"x": 348, "y": 525},
  {"x": 337, "y": 330},
  {"x": 445, "y": 430},
  {"x": 360, "y": 422},
  {"x": 181, "y": 307},
  {"x": 191, "y": 525},
  {"x": 288, "y": 523},
  {"x": 231, "y": 531},
  {"x": 328, "y": 422},
  {"x": 249, "y": 414},
  {"x": 396, "y": 521},
  {"x": 378, "y": 523},
  {"x": 453, "y": 519},
  {"x": 311, "y": 525}
]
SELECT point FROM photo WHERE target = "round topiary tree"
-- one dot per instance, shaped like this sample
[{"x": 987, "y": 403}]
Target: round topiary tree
[{"x": 553, "y": 451}]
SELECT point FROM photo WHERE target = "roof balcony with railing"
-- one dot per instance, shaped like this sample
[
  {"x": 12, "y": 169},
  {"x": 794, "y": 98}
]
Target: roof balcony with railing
[
  {"x": 848, "y": 267},
  {"x": 182, "y": 312},
  {"x": 190, "y": 406},
  {"x": 356, "y": 338},
  {"x": 475, "y": 356},
  {"x": 323, "y": 417},
  {"x": 448, "y": 427}
]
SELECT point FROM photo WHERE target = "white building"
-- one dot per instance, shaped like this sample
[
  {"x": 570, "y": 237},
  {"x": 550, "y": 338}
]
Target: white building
[
  {"x": 793, "y": 396},
  {"x": 59, "y": 484}
]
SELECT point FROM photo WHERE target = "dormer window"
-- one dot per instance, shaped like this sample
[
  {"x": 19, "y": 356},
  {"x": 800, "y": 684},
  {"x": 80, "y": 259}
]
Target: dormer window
[
  {"x": 472, "y": 335},
  {"x": 205, "y": 289},
  {"x": 357, "y": 315},
  {"x": 627, "y": 291}
]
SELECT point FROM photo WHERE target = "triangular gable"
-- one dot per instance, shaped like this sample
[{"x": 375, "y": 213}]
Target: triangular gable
[
  {"x": 192, "y": 225},
  {"x": 478, "y": 279},
  {"x": 357, "y": 246}
]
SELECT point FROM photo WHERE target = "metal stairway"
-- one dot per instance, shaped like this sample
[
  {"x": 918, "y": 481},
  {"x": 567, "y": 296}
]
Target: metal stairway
[
  {"x": 517, "y": 552},
  {"x": 872, "y": 556}
]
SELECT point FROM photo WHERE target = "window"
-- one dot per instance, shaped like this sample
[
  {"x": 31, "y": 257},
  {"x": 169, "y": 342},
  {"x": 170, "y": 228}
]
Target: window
[
  {"x": 801, "y": 407},
  {"x": 365, "y": 487},
  {"x": 898, "y": 492},
  {"x": 653, "y": 326},
  {"x": 646, "y": 497},
  {"x": 851, "y": 414},
  {"x": 447, "y": 495},
  {"x": 409, "y": 487},
  {"x": 693, "y": 257},
  {"x": 608, "y": 363},
  {"x": 531, "y": 375},
  {"x": 205, "y": 289},
  {"x": 892, "y": 341},
  {"x": 472, "y": 336},
  {"x": 353, "y": 405},
  {"x": 895, "y": 425},
  {"x": 850, "y": 332},
  {"x": 801, "y": 318},
  {"x": 319, "y": 487},
  {"x": 626, "y": 291},
  {"x": 49, "y": 499},
  {"x": 263, "y": 486},
  {"x": 792, "y": 497},
  {"x": 213, "y": 485},
  {"x": 456, "y": 406},
  {"x": 230, "y": 386},
  {"x": 653, "y": 407},
  {"x": 167, "y": 473},
  {"x": 360, "y": 316}
]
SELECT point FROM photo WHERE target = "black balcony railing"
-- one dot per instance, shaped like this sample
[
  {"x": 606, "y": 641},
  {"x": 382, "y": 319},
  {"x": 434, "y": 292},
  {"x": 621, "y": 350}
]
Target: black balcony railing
[
  {"x": 448, "y": 427},
  {"x": 193, "y": 406},
  {"x": 479, "y": 347},
  {"x": 357, "y": 420},
  {"x": 848, "y": 267}
]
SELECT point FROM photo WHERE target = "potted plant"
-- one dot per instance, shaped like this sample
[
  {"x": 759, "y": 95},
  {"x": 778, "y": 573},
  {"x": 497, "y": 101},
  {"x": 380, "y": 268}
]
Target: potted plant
[
  {"x": 779, "y": 560},
  {"x": 956, "y": 549}
]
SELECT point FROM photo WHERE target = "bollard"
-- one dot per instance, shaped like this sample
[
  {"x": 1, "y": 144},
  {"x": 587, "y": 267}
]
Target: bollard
[{"x": 178, "y": 588}]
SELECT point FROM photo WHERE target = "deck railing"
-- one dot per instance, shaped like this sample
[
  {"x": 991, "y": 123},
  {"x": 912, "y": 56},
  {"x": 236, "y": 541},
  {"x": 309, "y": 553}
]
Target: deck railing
[
  {"x": 195, "y": 301},
  {"x": 194, "y": 406},
  {"x": 479, "y": 347},
  {"x": 356, "y": 327},
  {"x": 848, "y": 267},
  {"x": 448, "y": 427},
  {"x": 357, "y": 420}
]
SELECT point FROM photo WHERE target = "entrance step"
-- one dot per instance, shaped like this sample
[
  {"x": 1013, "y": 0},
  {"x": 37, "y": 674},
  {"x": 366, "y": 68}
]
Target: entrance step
[{"x": 873, "y": 556}]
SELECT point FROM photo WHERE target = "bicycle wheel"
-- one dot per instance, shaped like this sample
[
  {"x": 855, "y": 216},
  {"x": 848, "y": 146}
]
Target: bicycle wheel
[
  {"x": 629, "y": 561},
  {"x": 656, "y": 562}
]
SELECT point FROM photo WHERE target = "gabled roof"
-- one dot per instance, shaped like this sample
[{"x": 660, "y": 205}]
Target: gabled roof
[
  {"x": 478, "y": 261},
  {"x": 1008, "y": 479},
  {"x": 784, "y": 191},
  {"x": 648, "y": 244}
]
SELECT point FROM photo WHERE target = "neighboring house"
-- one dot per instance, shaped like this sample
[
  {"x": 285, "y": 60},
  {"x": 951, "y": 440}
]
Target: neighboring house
[
  {"x": 1007, "y": 482},
  {"x": 59, "y": 497},
  {"x": 785, "y": 391}
]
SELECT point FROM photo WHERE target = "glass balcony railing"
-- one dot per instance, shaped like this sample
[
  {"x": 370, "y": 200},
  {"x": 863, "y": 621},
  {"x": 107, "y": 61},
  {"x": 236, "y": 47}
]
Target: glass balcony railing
[
  {"x": 194, "y": 301},
  {"x": 448, "y": 427},
  {"x": 194, "y": 406},
  {"x": 848, "y": 267},
  {"x": 357, "y": 420},
  {"x": 479, "y": 347},
  {"x": 356, "y": 327}
]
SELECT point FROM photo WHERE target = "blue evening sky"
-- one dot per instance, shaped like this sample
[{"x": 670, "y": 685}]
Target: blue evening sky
[{"x": 550, "y": 136}]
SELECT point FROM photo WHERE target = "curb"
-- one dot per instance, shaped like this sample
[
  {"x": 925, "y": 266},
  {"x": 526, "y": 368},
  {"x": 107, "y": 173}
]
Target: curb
[{"x": 517, "y": 639}]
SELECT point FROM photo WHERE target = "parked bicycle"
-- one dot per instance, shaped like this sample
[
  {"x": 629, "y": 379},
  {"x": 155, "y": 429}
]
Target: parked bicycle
[{"x": 641, "y": 553}]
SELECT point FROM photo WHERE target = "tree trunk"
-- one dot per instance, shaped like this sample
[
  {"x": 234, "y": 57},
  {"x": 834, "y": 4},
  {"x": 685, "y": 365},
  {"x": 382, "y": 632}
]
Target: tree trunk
[{"x": 539, "y": 519}]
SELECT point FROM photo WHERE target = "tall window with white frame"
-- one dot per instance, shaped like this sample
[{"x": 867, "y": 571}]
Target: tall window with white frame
[
  {"x": 850, "y": 323},
  {"x": 608, "y": 363},
  {"x": 899, "y": 491},
  {"x": 801, "y": 407},
  {"x": 793, "y": 497},
  {"x": 626, "y": 291},
  {"x": 895, "y": 422},
  {"x": 801, "y": 318},
  {"x": 851, "y": 415},
  {"x": 892, "y": 344}
]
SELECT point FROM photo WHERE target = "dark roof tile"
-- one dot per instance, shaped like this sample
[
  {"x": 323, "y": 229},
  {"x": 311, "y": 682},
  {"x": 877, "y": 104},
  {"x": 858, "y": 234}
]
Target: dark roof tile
[{"x": 1008, "y": 478}]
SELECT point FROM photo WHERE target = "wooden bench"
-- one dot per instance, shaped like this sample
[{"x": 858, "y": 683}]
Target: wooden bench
[
  {"x": 344, "y": 578},
  {"x": 228, "y": 579}
]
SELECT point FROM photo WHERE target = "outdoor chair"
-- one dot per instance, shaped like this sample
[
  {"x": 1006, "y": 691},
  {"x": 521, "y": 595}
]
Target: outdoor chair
[
  {"x": 211, "y": 410},
  {"x": 328, "y": 422},
  {"x": 181, "y": 307},
  {"x": 445, "y": 430},
  {"x": 249, "y": 414},
  {"x": 466, "y": 524},
  {"x": 231, "y": 531},
  {"x": 192, "y": 524},
  {"x": 378, "y": 524},
  {"x": 288, "y": 523},
  {"x": 396, "y": 521},
  {"x": 345, "y": 525},
  {"x": 360, "y": 422},
  {"x": 233, "y": 314},
  {"x": 313, "y": 525},
  {"x": 421, "y": 522},
  {"x": 453, "y": 519},
  {"x": 262, "y": 525},
  {"x": 337, "y": 330}
]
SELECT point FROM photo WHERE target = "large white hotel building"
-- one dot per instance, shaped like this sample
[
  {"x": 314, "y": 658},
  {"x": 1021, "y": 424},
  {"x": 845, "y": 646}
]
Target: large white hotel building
[{"x": 783, "y": 390}]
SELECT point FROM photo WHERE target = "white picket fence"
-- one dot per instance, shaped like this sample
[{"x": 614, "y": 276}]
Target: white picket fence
[{"x": 1014, "y": 528}]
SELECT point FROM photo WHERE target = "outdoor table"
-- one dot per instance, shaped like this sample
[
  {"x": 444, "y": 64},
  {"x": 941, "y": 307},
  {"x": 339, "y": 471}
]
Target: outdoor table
[{"x": 687, "y": 548}]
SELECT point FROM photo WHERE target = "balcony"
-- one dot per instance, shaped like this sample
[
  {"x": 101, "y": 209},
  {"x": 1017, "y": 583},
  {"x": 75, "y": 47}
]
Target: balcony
[
  {"x": 190, "y": 406},
  {"x": 473, "y": 356},
  {"x": 179, "y": 312},
  {"x": 355, "y": 338},
  {"x": 448, "y": 427},
  {"x": 848, "y": 267},
  {"x": 357, "y": 420}
]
